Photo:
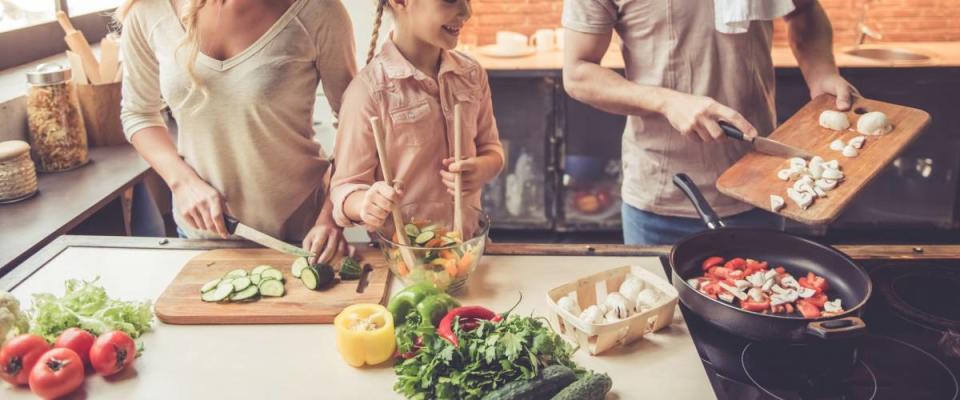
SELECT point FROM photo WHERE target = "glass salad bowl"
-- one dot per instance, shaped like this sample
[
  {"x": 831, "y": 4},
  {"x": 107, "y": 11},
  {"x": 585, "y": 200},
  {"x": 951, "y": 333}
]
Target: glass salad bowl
[{"x": 435, "y": 253}]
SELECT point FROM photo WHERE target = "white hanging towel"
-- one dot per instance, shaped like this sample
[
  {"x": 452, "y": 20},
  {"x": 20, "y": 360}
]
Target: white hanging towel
[{"x": 734, "y": 16}]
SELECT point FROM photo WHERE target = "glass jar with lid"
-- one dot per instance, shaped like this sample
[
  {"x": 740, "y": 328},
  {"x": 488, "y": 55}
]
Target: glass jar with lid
[{"x": 57, "y": 135}]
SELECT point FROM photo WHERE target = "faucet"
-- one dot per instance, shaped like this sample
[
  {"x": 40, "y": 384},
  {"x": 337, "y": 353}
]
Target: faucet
[{"x": 862, "y": 29}]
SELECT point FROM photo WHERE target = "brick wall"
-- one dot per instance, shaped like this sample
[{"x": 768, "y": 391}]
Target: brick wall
[{"x": 898, "y": 20}]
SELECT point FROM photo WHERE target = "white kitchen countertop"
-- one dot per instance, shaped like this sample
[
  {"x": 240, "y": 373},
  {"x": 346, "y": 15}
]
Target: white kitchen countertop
[{"x": 300, "y": 361}]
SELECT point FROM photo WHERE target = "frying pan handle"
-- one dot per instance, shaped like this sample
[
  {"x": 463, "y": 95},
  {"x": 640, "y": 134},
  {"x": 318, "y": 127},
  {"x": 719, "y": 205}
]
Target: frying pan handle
[
  {"x": 706, "y": 212},
  {"x": 837, "y": 328}
]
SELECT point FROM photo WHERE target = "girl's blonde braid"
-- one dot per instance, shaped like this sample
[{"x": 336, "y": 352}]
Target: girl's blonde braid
[{"x": 381, "y": 4}]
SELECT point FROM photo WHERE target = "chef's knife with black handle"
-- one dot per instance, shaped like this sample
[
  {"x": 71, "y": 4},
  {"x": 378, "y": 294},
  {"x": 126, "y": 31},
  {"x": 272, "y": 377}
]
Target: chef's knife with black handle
[{"x": 765, "y": 145}]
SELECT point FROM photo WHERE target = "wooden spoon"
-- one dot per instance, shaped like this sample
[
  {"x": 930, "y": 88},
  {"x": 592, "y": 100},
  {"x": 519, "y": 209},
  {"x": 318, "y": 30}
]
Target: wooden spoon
[
  {"x": 378, "y": 139},
  {"x": 458, "y": 179}
]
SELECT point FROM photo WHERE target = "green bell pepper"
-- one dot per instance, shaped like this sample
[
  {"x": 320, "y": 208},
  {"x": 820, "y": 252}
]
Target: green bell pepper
[
  {"x": 433, "y": 308},
  {"x": 405, "y": 301}
]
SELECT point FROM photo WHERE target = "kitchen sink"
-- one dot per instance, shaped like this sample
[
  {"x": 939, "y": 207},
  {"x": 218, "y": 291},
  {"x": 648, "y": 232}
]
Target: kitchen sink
[{"x": 889, "y": 54}]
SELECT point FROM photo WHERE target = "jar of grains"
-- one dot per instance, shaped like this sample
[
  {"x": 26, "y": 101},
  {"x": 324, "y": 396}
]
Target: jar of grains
[{"x": 57, "y": 135}]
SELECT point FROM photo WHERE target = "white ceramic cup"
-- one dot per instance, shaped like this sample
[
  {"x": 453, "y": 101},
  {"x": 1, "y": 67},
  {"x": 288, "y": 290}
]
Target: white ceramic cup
[
  {"x": 559, "y": 37},
  {"x": 511, "y": 42},
  {"x": 544, "y": 40}
]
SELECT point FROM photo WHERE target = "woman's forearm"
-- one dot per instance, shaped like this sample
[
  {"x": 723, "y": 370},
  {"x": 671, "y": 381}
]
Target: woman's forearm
[{"x": 155, "y": 146}]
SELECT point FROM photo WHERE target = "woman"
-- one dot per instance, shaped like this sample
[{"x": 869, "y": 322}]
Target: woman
[{"x": 240, "y": 78}]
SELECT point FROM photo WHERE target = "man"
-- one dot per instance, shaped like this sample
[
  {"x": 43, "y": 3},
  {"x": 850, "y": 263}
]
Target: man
[{"x": 688, "y": 67}]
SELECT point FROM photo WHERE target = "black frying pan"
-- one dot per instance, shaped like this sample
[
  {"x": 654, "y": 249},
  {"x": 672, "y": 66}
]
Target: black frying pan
[{"x": 847, "y": 281}]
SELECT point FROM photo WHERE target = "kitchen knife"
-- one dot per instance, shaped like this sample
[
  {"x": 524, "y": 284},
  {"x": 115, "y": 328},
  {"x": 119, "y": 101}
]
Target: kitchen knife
[
  {"x": 764, "y": 145},
  {"x": 263, "y": 239}
]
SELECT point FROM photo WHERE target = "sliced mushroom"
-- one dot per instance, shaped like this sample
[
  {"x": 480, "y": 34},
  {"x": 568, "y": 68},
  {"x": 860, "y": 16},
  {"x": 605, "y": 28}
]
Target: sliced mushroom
[
  {"x": 826, "y": 184},
  {"x": 798, "y": 162},
  {"x": 837, "y": 145},
  {"x": 830, "y": 173},
  {"x": 806, "y": 293},
  {"x": 850, "y": 151},
  {"x": 785, "y": 174},
  {"x": 776, "y": 203},
  {"x": 857, "y": 142},
  {"x": 819, "y": 191}
]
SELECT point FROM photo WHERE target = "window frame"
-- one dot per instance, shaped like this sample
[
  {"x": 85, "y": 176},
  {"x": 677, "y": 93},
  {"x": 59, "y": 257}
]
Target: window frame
[{"x": 36, "y": 42}]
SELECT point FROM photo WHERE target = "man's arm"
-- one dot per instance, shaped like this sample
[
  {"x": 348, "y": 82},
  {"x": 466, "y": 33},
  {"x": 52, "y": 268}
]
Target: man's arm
[{"x": 811, "y": 39}]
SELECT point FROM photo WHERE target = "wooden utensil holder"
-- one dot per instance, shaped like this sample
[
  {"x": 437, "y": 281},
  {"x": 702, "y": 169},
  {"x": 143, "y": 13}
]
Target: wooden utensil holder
[{"x": 100, "y": 106}]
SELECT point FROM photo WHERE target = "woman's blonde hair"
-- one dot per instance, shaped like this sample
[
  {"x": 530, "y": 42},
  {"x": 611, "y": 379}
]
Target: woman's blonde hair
[
  {"x": 381, "y": 5},
  {"x": 191, "y": 41}
]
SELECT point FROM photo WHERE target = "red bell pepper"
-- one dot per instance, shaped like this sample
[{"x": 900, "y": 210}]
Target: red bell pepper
[
  {"x": 736, "y": 263},
  {"x": 808, "y": 310},
  {"x": 711, "y": 262}
]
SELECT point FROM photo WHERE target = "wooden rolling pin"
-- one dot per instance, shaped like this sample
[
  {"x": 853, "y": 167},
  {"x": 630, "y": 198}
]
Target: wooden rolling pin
[{"x": 78, "y": 43}]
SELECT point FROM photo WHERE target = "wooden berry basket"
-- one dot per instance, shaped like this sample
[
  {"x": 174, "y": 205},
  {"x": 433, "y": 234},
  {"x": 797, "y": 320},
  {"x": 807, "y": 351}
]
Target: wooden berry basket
[{"x": 591, "y": 290}]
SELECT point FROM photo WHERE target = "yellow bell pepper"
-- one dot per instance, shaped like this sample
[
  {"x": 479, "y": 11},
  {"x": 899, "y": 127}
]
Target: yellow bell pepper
[{"x": 365, "y": 334}]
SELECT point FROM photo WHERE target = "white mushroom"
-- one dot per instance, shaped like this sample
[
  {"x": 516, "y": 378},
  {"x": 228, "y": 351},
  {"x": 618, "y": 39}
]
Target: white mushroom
[
  {"x": 569, "y": 303},
  {"x": 850, "y": 151},
  {"x": 815, "y": 171},
  {"x": 817, "y": 190},
  {"x": 647, "y": 299},
  {"x": 833, "y": 306},
  {"x": 798, "y": 163},
  {"x": 770, "y": 274},
  {"x": 833, "y": 164},
  {"x": 785, "y": 174},
  {"x": 727, "y": 297},
  {"x": 834, "y": 120},
  {"x": 694, "y": 283},
  {"x": 788, "y": 281},
  {"x": 757, "y": 295},
  {"x": 858, "y": 141},
  {"x": 742, "y": 284},
  {"x": 778, "y": 289},
  {"x": 776, "y": 203},
  {"x": 756, "y": 279},
  {"x": 806, "y": 293},
  {"x": 804, "y": 186},
  {"x": 592, "y": 315},
  {"x": 803, "y": 199},
  {"x": 631, "y": 287},
  {"x": 734, "y": 291},
  {"x": 837, "y": 145},
  {"x": 874, "y": 123},
  {"x": 826, "y": 184},
  {"x": 617, "y": 305},
  {"x": 830, "y": 173}
]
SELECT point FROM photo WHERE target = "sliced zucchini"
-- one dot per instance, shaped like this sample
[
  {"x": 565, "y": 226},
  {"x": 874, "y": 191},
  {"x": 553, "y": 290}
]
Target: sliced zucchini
[
  {"x": 411, "y": 230},
  {"x": 271, "y": 288},
  {"x": 425, "y": 237},
  {"x": 447, "y": 241},
  {"x": 430, "y": 228},
  {"x": 209, "y": 286},
  {"x": 259, "y": 269},
  {"x": 271, "y": 274},
  {"x": 219, "y": 294},
  {"x": 237, "y": 273},
  {"x": 350, "y": 269},
  {"x": 255, "y": 279},
  {"x": 317, "y": 276},
  {"x": 298, "y": 266},
  {"x": 240, "y": 284},
  {"x": 245, "y": 294}
]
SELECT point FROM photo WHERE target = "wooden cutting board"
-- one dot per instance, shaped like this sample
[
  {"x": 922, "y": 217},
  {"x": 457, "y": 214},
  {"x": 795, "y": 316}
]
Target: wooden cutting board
[
  {"x": 753, "y": 178},
  {"x": 180, "y": 302}
]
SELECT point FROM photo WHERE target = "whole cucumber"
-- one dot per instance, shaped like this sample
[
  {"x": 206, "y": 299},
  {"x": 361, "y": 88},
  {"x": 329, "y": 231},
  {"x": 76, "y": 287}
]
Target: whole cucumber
[
  {"x": 551, "y": 380},
  {"x": 590, "y": 387}
]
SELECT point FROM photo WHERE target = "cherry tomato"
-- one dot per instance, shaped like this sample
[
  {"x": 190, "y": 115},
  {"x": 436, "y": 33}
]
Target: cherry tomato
[
  {"x": 814, "y": 282},
  {"x": 808, "y": 310},
  {"x": 755, "y": 306},
  {"x": 112, "y": 352},
  {"x": 736, "y": 263},
  {"x": 57, "y": 373},
  {"x": 18, "y": 356},
  {"x": 78, "y": 340},
  {"x": 711, "y": 262}
]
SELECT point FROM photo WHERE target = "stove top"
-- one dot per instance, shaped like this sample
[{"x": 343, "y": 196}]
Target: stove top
[{"x": 911, "y": 350}]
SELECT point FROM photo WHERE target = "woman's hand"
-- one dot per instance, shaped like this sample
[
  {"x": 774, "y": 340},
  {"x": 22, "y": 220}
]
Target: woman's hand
[
  {"x": 200, "y": 206},
  {"x": 696, "y": 117},
  {"x": 326, "y": 240}
]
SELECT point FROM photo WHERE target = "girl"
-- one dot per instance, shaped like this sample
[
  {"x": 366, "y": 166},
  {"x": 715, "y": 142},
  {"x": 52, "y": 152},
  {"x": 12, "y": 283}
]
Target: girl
[
  {"x": 412, "y": 86},
  {"x": 240, "y": 78}
]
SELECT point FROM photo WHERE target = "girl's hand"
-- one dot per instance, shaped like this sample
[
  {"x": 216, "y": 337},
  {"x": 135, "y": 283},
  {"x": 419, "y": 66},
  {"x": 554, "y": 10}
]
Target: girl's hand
[
  {"x": 326, "y": 240},
  {"x": 200, "y": 206},
  {"x": 696, "y": 117},
  {"x": 378, "y": 203},
  {"x": 474, "y": 171}
]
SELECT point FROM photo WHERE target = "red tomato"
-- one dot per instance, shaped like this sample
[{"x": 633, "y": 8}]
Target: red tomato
[
  {"x": 735, "y": 274},
  {"x": 754, "y": 266},
  {"x": 78, "y": 340},
  {"x": 789, "y": 308},
  {"x": 755, "y": 306},
  {"x": 711, "y": 262},
  {"x": 736, "y": 263},
  {"x": 808, "y": 310},
  {"x": 112, "y": 352},
  {"x": 58, "y": 372},
  {"x": 813, "y": 282},
  {"x": 719, "y": 272},
  {"x": 780, "y": 270},
  {"x": 712, "y": 288},
  {"x": 817, "y": 300},
  {"x": 18, "y": 356}
]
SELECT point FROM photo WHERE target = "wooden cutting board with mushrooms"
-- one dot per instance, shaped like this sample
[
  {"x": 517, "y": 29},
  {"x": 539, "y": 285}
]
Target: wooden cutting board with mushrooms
[{"x": 851, "y": 148}]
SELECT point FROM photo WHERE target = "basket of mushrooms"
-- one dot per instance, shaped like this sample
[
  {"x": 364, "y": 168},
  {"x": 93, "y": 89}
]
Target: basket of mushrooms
[{"x": 613, "y": 308}]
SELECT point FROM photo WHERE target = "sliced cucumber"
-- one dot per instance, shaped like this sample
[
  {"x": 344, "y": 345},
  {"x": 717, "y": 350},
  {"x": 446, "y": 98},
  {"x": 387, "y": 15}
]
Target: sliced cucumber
[
  {"x": 219, "y": 294},
  {"x": 447, "y": 241},
  {"x": 259, "y": 269},
  {"x": 309, "y": 278},
  {"x": 271, "y": 274},
  {"x": 271, "y": 288},
  {"x": 245, "y": 294},
  {"x": 350, "y": 269},
  {"x": 425, "y": 237},
  {"x": 240, "y": 284},
  {"x": 209, "y": 286},
  {"x": 430, "y": 228},
  {"x": 298, "y": 266},
  {"x": 237, "y": 273},
  {"x": 411, "y": 230}
]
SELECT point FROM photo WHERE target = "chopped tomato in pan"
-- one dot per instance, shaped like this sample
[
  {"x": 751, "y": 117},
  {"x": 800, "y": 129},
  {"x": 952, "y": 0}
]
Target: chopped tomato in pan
[{"x": 711, "y": 262}]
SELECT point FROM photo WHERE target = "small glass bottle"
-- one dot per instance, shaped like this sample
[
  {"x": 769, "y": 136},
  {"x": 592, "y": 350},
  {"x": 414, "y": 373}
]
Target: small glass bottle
[{"x": 57, "y": 134}]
